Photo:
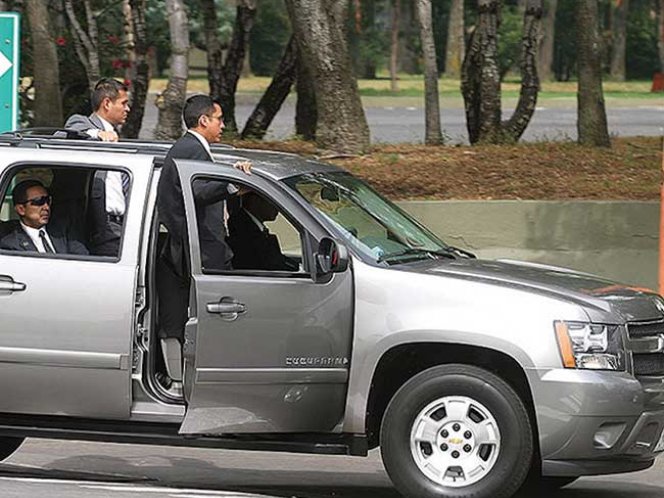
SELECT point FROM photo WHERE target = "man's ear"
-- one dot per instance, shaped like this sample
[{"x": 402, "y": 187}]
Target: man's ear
[
  {"x": 106, "y": 103},
  {"x": 203, "y": 121},
  {"x": 20, "y": 210}
]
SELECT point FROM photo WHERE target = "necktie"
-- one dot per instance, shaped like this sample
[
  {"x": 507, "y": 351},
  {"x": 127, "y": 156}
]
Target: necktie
[
  {"x": 125, "y": 185},
  {"x": 47, "y": 247}
]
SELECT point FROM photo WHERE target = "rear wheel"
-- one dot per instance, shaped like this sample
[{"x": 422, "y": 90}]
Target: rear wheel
[
  {"x": 9, "y": 445},
  {"x": 456, "y": 431}
]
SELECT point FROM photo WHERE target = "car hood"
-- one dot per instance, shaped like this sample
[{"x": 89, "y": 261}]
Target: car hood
[{"x": 597, "y": 295}]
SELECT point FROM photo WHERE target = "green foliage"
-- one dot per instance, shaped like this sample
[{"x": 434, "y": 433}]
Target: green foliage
[
  {"x": 564, "y": 59},
  {"x": 369, "y": 47},
  {"x": 159, "y": 35},
  {"x": 441, "y": 19},
  {"x": 509, "y": 39},
  {"x": 642, "y": 57},
  {"x": 269, "y": 37}
]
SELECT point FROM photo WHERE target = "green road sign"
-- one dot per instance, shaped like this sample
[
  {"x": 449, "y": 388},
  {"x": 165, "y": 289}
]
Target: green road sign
[{"x": 9, "y": 59}]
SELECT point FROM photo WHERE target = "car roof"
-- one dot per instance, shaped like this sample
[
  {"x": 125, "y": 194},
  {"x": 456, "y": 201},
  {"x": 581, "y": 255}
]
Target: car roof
[
  {"x": 273, "y": 164},
  {"x": 276, "y": 165}
]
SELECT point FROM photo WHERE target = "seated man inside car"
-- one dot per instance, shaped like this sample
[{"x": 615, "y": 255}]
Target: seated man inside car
[
  {"x": 32, "y": 203},
  {"x": 254, "y": 247}
]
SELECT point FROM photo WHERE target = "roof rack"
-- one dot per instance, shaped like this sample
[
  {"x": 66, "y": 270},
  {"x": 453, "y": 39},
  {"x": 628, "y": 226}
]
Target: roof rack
[{"x": 61, "y": 138}]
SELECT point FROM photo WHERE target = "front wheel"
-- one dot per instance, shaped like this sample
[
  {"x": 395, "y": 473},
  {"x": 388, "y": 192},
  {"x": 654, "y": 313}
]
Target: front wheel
[
  {"x": 456, "y": 431},
  {"x": 9, "y": 445}
]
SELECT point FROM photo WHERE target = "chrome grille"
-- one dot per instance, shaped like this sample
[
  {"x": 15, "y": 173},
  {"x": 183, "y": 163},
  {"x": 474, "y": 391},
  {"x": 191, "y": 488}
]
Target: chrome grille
[{"x": 646, "y": 340}]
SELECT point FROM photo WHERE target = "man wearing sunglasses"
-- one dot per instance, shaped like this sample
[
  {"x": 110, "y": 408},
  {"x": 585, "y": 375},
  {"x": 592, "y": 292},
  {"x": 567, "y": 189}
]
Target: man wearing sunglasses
[{"x": 32, "y": 203}]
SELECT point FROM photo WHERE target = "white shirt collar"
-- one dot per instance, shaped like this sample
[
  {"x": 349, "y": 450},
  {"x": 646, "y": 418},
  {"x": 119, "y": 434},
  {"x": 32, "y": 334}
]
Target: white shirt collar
[
  {"x": 202, "y": 140},
  {"x": 33, "y": 233},
  {"x": 107, "y": 126}
]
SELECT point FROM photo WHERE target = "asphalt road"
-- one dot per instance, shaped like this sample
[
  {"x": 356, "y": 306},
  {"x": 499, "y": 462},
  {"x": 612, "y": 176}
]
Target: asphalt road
[
  {"x": 402, "y": 119},
  {"x": 55, "y": 469}
]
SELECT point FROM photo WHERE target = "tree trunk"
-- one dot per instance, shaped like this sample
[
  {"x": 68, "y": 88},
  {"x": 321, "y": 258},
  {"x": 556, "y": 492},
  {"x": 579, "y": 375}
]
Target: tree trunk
[
  {"x": 47, "y": 104},
  {"x": 128, "y": 42},
  {"x": 480, "y": 80},
  {"x": 592, "y": 125},
  {"x": 320, "y": 28},
  {"x": 619, "y": 36},
  {"x": 214, "y": 52},
  {"x": 545, "y": 59},
  {"x": 171, "y": 102},
  {"x": 86, "y": 43},
  {"x": 306, "y": 113},
  {"x": 394, "y": 45},
  {"x": 274, "y": 96},
  {"x": 141, "y": 80},
  {"x": 244, "y": 21},
  {"x": 432, "y": 134},
  {"x": 456, "y": 43},
  {"x": 517, "y": 124},
  {"x": 660, "y": 41}
]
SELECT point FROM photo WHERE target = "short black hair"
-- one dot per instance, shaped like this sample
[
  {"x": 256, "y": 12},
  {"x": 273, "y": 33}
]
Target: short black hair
[
  {"x": 106, "y": 88},
  {"x": 20, "y": 193},
  {"x": 195, "y": 107}
]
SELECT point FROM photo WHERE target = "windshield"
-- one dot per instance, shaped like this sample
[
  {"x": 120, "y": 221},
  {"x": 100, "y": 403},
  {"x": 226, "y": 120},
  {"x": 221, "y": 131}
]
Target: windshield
[{"x": 367, "y": 222}]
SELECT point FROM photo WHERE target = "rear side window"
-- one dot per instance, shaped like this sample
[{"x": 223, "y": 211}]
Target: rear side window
[{"x": 64, "y": 211}]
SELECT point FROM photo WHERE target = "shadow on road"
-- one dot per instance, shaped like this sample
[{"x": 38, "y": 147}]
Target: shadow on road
[{"x": 229, "y": 475}]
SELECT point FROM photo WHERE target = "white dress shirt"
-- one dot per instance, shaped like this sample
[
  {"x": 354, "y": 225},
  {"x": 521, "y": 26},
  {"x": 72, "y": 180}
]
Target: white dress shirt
[
  {"x": 115, "y": 200},
  {"x": 33, "y": 233}
]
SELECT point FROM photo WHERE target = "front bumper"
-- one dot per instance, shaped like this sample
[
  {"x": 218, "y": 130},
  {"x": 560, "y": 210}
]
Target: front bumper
[{"x": 593, "y": 422}]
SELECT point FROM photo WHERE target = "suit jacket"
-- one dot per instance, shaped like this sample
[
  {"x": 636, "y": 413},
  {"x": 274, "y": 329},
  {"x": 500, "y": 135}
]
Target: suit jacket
[
  {"x": 79, "y": 122},
  {"x": 209, "y": 197},
  {"x": 18, "y": 240},
  {"x": 253, "y": 248},
  {"x": 103, "y": 235}
]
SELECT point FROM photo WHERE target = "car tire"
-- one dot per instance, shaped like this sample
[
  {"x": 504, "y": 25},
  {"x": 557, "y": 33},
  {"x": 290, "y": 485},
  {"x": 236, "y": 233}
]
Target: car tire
[
  {"x": 456, "y": 431},
  {"x": 9, "y": 445}
]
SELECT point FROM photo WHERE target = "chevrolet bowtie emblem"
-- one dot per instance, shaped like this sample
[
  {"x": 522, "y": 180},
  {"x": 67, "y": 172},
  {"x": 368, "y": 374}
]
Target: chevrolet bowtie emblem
[
  {"x": 659, "y": 304},
  {"x": 456, "y": 440}
]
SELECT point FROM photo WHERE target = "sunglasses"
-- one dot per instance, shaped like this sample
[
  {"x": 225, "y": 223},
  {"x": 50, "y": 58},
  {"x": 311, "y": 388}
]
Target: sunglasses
[{"x": 38, "y": 201}]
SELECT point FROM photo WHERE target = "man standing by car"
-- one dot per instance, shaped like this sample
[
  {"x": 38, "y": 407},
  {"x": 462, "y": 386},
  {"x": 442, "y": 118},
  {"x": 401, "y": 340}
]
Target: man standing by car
[
  {"x": 204, "y": 121},
  {"x": 110, "y": 189},
  {"x": 32, "y": 203}
]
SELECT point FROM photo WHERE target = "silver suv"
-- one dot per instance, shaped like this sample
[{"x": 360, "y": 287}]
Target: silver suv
[{"x": 475, "y": 378}]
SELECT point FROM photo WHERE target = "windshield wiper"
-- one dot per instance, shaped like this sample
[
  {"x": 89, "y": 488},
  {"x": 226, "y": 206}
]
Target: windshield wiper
[
  {"x": 445, "y": 252},
  {"x": 462, "y": 252}
]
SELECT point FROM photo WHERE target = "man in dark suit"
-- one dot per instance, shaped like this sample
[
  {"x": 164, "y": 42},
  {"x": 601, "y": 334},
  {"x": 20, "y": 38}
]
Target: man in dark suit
[
  {"x": 204, "y": 120},
  {"x": 110, "y": 189},
  {"x": 33, "y": 206},
  {"x": 254, "y": 247}
]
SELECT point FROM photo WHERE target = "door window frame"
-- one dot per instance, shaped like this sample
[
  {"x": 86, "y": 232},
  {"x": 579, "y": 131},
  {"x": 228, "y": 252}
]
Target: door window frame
[
  {"x": 13, "y": 169},
  {"x": 307, "y": 240}
]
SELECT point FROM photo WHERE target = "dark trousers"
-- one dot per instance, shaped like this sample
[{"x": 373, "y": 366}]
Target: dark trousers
[
  {"x": 173, "y": 294},
  {"x": 105, "y": 240}
]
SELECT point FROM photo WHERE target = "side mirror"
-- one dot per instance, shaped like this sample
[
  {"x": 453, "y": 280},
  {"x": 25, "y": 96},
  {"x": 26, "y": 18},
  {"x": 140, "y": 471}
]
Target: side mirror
[{"x": 330, "y": 258}]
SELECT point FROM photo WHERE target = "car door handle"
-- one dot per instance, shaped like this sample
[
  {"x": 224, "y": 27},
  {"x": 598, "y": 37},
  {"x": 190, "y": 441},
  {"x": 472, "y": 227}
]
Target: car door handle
[
  {"x": 7, "y": 284},
  {"x": 226, "y": 308}
]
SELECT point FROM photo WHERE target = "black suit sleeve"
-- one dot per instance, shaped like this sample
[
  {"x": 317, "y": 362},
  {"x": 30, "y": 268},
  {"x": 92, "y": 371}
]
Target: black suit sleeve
[{"x": 76, "y": 247}]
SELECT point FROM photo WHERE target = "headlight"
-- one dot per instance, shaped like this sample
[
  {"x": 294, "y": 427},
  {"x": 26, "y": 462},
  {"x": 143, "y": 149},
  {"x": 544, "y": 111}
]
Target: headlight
[{"x": 590, "y": 345}]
